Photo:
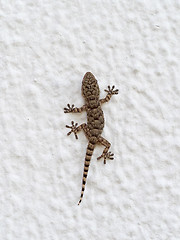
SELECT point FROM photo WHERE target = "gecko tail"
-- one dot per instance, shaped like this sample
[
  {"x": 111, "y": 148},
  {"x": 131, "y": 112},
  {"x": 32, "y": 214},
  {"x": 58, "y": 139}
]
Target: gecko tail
[{"x": 89, "y": 152}]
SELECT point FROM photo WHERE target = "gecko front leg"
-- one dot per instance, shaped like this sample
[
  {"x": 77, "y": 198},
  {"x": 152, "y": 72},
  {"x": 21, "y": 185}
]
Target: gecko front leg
[
  {"x": 73, "y": 109},
  {"x": 105, "y": 153},
  {"x": 110, "y": 92}
]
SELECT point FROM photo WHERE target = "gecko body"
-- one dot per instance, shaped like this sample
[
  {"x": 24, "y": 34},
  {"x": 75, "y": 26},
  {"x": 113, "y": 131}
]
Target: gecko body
[{"x": 95, "y": 121}]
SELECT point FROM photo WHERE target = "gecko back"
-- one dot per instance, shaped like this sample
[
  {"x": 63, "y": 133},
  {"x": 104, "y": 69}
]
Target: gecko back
[{"x": 95, "y": 116}]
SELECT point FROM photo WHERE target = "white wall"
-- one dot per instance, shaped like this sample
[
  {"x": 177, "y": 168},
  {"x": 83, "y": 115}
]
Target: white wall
[{"x": 45, "y": 49}]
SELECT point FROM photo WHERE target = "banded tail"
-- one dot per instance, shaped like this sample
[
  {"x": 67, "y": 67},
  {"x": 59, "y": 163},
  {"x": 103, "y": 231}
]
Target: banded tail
[{"x": 89, "y": 152}]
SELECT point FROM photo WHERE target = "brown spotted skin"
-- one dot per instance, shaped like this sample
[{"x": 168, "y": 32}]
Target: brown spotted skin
[{"x": 95, "y": 121}]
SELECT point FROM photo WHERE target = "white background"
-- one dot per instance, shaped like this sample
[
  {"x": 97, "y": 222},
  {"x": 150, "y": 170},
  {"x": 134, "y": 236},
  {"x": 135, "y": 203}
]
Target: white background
[{"x": 45, "y": 49}]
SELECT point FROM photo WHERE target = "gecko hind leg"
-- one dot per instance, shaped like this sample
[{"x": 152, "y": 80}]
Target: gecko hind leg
[
  {"x": 105, "y": 153},
  {"x": 75, "y": 129}
]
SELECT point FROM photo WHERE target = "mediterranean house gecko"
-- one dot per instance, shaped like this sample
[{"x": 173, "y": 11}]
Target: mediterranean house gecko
[{"x": 95, "y": 121}]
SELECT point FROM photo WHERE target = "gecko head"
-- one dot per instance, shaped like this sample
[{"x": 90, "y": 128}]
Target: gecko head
[{"x": 90, "y": 86}]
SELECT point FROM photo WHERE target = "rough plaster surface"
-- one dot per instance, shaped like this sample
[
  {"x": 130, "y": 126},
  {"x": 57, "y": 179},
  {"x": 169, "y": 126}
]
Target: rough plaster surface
[{"x": 45, "y": 49}]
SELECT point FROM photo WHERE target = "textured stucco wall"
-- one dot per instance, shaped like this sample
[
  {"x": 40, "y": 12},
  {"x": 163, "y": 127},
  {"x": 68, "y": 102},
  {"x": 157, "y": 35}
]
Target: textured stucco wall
[{"x": 45, "y": 49}]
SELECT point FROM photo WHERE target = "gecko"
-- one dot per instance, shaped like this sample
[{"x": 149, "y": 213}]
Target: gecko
[{"x": 95, "y": 121}]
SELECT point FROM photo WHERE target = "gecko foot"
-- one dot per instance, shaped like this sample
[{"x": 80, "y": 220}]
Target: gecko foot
[
  {"x": 73, "y": 129},
  {"x": 69, "y": 108},
  {"x": 108, "y": 155},
  {"x": 111, "y": 91}
]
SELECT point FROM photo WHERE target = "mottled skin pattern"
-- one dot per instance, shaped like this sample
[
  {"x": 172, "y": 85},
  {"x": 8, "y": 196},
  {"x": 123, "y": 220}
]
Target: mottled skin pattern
[{"x": 95, "y": 121}]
